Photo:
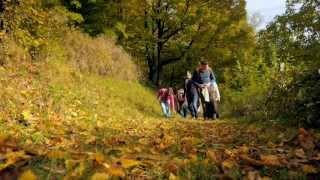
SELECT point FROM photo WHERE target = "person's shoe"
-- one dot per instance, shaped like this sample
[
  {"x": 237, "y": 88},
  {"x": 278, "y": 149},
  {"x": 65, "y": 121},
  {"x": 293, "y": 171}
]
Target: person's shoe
[{"x": 214, "y": 116}]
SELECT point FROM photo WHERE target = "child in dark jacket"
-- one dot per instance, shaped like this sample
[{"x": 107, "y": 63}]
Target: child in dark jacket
[{"x": 192, "y": 95}]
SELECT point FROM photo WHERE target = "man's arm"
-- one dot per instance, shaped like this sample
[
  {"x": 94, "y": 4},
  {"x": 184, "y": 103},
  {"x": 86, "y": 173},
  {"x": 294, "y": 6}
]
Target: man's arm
[
  {"x": 212, "y": 77},
  {"x": 195, "y": 79}
]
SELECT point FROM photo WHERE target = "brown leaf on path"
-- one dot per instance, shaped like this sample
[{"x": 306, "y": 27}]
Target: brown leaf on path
[
  {"x": 253, "y": 175},
  {"x": 187, "y": 145},
  {"x": 228, "y": 165},
  {"x": 309, "y": 169},
  {"x": 316, "y": 157},
  {"x": 306, "y": 139},
  {"x": 217, "y": 156},
  {"x": 250, "y": 161},
  {"x": 296, "y": 163},
  {"x": 300, "y": 153},
  {"x": 271, "y": 160},
  {"x": 172, "y": 167},
  {"x": 244, "y": 149}
]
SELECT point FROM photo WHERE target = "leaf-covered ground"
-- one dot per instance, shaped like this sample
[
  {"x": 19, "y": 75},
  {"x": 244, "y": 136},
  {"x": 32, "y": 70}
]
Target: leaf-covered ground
[
  {"x": 58, "y": 124},
  {"x": 162, "y": 149}
]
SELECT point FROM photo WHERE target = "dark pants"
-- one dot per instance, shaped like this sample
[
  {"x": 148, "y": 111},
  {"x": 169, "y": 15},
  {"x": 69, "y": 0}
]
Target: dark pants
[
  {"x": 184, "y": 109},
  {"x": 193, "y": 100},
  {"x": 210, "y": 109}
]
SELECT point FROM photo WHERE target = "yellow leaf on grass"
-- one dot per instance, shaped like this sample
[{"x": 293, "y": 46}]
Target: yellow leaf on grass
[
  {"x": 28, "y": 175},
  {"x": 27, "y": 115},
  {"x": 116, "y": 171},
  {"x": 128, "y": 163},
  {"x": 172, "y": 177},
  {"x": 100, "y": 176}
]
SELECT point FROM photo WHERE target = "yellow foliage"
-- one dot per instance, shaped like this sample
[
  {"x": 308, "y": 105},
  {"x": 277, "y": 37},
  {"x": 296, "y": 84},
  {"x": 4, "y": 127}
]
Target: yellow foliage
[
  {"x": 128, "y": 163},
  {"x": 28, "y": 175}
]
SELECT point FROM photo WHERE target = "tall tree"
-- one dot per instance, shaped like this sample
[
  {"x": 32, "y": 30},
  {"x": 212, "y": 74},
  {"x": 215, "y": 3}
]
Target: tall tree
[{"x": 166, "y": 32}]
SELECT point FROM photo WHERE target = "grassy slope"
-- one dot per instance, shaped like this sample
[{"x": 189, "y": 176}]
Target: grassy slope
[{"x": 74, "y": 125}]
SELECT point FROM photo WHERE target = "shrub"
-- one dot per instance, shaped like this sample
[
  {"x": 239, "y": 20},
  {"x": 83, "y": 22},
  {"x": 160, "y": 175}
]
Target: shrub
[
  {"x": 99, "y": 55},
  {"x": 44, "y": 32},
  {"x": 299, "y": 100}
]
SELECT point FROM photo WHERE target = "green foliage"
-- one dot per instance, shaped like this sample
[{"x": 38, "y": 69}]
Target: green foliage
[
  {"x": 297, "y": 100},
  {"x": 293, "y": 40}
]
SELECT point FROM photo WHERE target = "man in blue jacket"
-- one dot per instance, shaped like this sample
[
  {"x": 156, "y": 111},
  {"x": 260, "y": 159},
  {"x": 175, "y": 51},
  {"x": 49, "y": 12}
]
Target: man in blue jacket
[{"x": 205, "y": 81}]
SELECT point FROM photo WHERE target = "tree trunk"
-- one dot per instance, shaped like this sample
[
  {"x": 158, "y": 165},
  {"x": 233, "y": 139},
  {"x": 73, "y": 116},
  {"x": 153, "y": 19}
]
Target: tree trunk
[{"x": 152, "y": 74}]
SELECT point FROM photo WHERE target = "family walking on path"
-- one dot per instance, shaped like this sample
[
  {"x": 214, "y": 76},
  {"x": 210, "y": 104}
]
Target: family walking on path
[{"x": 200, "y": 92}]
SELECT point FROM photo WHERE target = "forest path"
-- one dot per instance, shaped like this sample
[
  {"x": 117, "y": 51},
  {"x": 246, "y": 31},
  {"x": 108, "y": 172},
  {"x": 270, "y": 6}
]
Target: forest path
[{"x": 161, "y": 148}]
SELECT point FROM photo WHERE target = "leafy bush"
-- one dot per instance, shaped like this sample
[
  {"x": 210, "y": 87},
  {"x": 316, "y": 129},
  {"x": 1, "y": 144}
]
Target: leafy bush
[
  {"x": 38, "y": 31},
  {"x": 99, "y": 55},
  {"x": 299, "y": 100}
]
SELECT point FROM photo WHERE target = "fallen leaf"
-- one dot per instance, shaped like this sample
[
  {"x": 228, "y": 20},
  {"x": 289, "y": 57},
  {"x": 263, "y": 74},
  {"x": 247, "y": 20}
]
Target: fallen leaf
[
  {"x": 306, "y": 139},
  {"x": 309, "y": 169},
  {"x": 57, "y": 154},
  {"x": 172, "y": 167},
  {"x": 300, "y": 153},
  {"x": 228, "y": 164},
  {"x": 128, "y": 163},
  {"x": 28, "y": 175},
  {"x": 100, "y": 176},
  {"x": 14, "y": 157},
  {"x": 244, "y": 150},
  {"x": 271, "y": 160},
  {"x": 98, "y": 157},
  {"x": 172, "y": 177},
  {"x": 253, "y": 175},
  {"x": 250, "y": 161},
  {"x": 116, "y": 171},
  {"x": 217, "y": 156},
  {"x": 27, "y": 115}
]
